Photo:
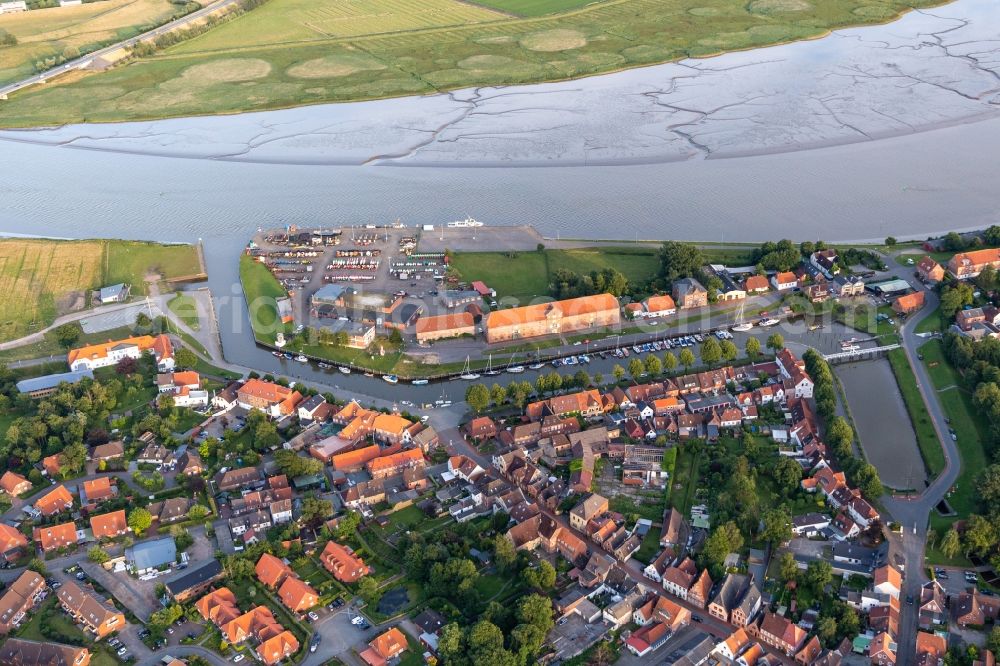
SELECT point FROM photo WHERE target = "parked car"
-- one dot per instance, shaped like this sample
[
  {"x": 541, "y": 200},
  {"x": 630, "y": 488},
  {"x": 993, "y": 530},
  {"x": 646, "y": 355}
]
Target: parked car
[
  {"x": 313, "y": 616},
  {"x": 122, "y": 651},
  {"x": 237, "y": 659}
]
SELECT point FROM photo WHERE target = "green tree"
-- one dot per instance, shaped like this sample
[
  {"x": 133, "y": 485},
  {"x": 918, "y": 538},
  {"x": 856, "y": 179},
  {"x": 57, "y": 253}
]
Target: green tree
[
  {"x": 636, "y": 368},
  {"x": 867, "y": 479},
  {"x": 542, "y": 577},
  {"x": 139, "y": 520},
  {"x": 185, "y": 358},
  {"x": 955, "y": 297},
  {"x": 989, "y": 484},
  {"x": 498, "y": 394},
  {"x": 478, "y": 397},
  {"x": 369, "y": 591},
  {"x": 752, "y": 348},
  {"x": 777, "y": 525},
  {"x": 198, "y": 511},
  {"x": 292, "y": 464},
  {"x": 729, "y": 350},
  {"x": 993, "y": 640},
  {"x": 711, "y": 352},
  {"x": 451, "y": 644},
  {"x": 686, "y": 358},
  {"x": 788, "y": 567},
  {"x": 653, "y": 365},
  {"x": 314, "y": 511},
  {"x": 787, "y": 473},
  {"x": 724, "y": 539},
  {"x": 775, "y": 342},
  {"x": 484, "y": 642},
  {"x": 67, "y": 334},
  {"x": 818, "y": 575},
  {"x": 504, "y": 553},
  {"x": 98, "y": 555},
  {"x": 826, "y": 630},
  {"x": 890, "y": 241},
  {"x": 951, "y": 544},
  {"x": 619, "y": 372},
  {"x": 980, "y": 535},
  {"x": 669, "y": 362},
  {"x": 679, "y": 260},
  {"x": 581, "y": 378}
]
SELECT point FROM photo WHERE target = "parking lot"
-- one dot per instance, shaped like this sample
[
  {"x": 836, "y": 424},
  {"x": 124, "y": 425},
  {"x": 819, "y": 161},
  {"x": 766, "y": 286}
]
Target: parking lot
[
  {"x": 574, "y": 635},
  {"x": 338, "y": 636}
]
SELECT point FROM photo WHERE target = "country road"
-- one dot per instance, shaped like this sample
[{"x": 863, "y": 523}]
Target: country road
[{"x": 85, "y": 60}]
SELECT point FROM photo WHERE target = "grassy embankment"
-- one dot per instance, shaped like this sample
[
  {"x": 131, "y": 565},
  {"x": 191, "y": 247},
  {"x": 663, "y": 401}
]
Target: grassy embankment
[
  {"x": 970, "y": 428},
  {"x": 41, "y": 279},
  {"x": 186, "y": 310},
  {"x": 47, "y": 36},
  {"x": 293, "y": 52}
]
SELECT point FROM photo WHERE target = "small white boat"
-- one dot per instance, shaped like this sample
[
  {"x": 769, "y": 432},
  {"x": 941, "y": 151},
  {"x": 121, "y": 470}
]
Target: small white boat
[
  {"x": 516, "y": 369},
  {"x": 536, "y": 366},
  {"x": 276, "y": 353},
  {"x": 344, "y": 369},
  {"x": 467, "y": 222},
  {"x": 741, "y": 328},
  {"x": 768, "y": 322},
  {"x": 391, "y": 379},
  {"x": 419, "y": 382},
  {"x": 324, "y": 366},
  {"x": 301, "y": 359},
  {"x": 467, "y": 373}
]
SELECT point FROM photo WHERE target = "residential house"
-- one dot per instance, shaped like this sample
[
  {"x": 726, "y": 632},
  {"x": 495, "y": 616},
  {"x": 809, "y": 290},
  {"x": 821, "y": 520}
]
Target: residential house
[
  {"x": 887, "y": 580},
  {"x": 55, "y": 537},
  {"x": 195, "y": 581},
  {"x": 599, "y": 310},
  {"x": 908, "y": 303},
  {"x": 659, "y": 306},
  {"x": 218, "y": 607},
  {"x": 297, "y": 595},
  {"x": 108, "y": 452},
  {"x": 54, "y": 502},
  {"x": 756, "y": 284},
  {"x": 387, "y": 645},
  {"x": 14, "y": 484},
  {"x": 930, "y": 270},
  {"x": 967, "y": 265},
  {"x": 22, "y": 652},
  {"x": 391, "y": 465},
  {"x": 109, "y": 525},
  {"x": 974, "y": 608},
  {"x": 585, "y": 511},
  {"x": 933, "y": 609},
  {"x": 184, "y": 388},
  {"x": 732, "y": 592},
  {"x": 171, "y": 510},
  {"x": 809, "y": 524},
  {"x": 12, "y": 543},
  {"x": 343, "y": 563},
  {"x": 98, "y": 490},
  {"x": 931, "y": 648},
  {"x": 96, "y": 615},
  {"x": 274, "y": 649},
  {"x": 480, "y": 428},
  {"x": 273, "y": 399},
  {"x": 783, "y": 281},
  {"x": 106, "y": 354},
  {"x": 677, "y": 580},
  {"x": 20, "y": 597},
  {"x": 234, "y": 479},
  {"x": 689, "y": 293},
  {"x": 781, "y": 633},
  {"x": 272, "y": 571},
  {"x": 308, "y": 408}
]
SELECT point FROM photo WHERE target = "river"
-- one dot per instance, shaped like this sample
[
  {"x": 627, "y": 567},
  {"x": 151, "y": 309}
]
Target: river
[{"x": 910, "y": 185}]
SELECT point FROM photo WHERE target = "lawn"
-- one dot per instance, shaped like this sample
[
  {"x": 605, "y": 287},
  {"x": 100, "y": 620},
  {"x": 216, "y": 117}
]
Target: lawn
[
  {"x": 186, "y": 310},
  {"x": 520, "y": 275},
  {"x": 637, "y": 264},
  {"x": 970, "y": 428},
  {"x": 685, "y": 481},
  {"x": 927, "y": 439},
  {"x": 650, "y": 546},
  {"x": 49, "y": 34},
  {"x": 293, "y": 52},
  {"x": 933, "y": 323},
  {"x": 42, "y": 279},
  {"x": 261, "y": 289}
]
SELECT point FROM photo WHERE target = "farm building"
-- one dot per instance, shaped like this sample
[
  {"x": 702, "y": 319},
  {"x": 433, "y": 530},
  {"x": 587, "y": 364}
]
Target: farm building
[{"x": 574, "y": 314}]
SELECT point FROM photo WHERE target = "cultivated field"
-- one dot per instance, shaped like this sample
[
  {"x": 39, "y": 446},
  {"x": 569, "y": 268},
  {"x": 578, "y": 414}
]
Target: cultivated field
[
  {"x": 41, "y": 279},
  {"x": 535, "y": 7},
  {"x": 65, "y": 31},
  {"x": 287, "y": 53}
]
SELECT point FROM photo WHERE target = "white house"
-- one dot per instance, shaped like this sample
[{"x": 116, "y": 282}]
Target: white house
[{"x": 107, "y": 354}]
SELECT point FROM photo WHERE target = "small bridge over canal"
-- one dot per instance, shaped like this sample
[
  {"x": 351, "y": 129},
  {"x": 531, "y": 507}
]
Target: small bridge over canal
[{"x": 859, "y": 354}]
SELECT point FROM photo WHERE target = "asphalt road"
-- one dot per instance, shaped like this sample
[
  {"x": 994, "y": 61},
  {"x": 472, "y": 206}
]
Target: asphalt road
[{"x": 83, "y": 61}]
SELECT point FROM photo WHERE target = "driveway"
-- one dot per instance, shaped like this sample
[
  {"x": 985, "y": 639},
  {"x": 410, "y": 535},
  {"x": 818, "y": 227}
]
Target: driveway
[
  {"x": 337, "y": 637},
  {"x": 139, "y": 596}
]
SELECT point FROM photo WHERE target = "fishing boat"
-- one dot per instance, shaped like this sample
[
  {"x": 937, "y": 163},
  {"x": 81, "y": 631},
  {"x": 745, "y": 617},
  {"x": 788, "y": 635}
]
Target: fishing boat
[
  {"x": 515, "y": 369},
  {"x": 419, "y": 382},
  {"x": 467, "y": 373},
  {"x": 391, "y": 379},
  {"x": 345, "y": 370}
]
